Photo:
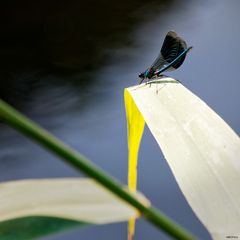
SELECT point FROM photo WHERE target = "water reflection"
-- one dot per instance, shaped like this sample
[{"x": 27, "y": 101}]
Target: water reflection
[
  {"x": 65, "y": 66},
  {"x": 62, "y": 37}
]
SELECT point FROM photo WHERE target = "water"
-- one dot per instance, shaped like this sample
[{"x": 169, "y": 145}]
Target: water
[{"x": 72, "y": 84}]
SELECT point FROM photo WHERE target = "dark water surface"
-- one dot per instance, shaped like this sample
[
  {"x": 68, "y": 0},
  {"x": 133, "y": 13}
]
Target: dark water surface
[{"x": 65, "y": 65}]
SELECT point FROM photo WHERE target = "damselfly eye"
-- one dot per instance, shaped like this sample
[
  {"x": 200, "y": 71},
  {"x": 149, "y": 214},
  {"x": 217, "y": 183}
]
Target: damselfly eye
[{"x": 141, "y": 75}]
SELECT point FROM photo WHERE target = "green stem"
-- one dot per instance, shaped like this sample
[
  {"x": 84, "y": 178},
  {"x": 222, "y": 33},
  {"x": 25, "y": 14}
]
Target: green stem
[{"x": 32, "y": 130}]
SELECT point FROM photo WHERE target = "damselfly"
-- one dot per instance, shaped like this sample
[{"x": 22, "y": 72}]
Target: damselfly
[{"x": 171, "y": 56}]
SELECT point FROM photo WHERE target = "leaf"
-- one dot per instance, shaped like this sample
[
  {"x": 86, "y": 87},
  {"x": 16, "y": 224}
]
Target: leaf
[
  {"x": 34, "y": 227},
  {"x": 135, "y": 124},
  {"x": 200, "y": 148},
  {"x": 40, "y": 207}
]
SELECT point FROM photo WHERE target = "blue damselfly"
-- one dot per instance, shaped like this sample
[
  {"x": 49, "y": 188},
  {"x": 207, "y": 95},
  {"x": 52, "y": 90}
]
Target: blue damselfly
[{"x": 171, "y": 56}]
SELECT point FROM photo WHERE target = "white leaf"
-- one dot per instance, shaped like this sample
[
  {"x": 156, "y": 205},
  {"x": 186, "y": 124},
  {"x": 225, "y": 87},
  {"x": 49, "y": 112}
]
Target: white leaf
[
  {"x": 202, "y": 151},
  {"x": 76, "y": 199}
]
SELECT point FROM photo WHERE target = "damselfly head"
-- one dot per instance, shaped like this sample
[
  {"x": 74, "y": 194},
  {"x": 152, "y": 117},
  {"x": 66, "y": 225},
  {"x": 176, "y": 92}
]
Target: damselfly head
[{"x": 141, "y": 75}]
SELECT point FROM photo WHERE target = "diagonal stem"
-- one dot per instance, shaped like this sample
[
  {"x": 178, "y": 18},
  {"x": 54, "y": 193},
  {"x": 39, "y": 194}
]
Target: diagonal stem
[{"x": 51, "y": 143}]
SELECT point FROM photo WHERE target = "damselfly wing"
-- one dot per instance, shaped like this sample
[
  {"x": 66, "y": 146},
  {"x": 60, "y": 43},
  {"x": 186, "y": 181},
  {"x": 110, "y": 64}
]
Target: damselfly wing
[{"x": 171, "y": 56}]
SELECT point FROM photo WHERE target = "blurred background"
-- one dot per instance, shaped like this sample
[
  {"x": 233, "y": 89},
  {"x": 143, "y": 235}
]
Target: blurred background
[{"x": 65, "y": 64}]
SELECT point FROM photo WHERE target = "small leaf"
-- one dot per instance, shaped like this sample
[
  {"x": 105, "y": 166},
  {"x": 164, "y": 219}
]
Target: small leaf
[{"x": 34, "y": 227}]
